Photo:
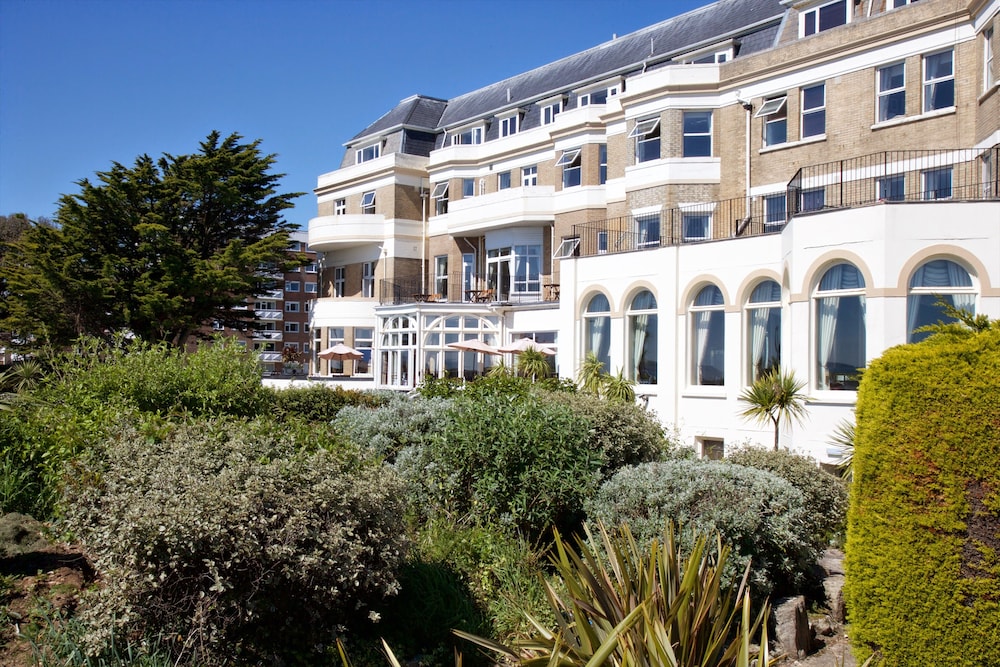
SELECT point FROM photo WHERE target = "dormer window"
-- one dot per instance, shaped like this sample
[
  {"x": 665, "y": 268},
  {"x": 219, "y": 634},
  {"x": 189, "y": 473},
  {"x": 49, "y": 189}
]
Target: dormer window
[
  {"x": 368, "y": 153},
  {"x": 470, "y": 135},
  {"x": 824, "y": 17},
  {"x": 550, "y": 111},
  {"x": 598, "y": 95},
  {"x": 508, "y": 125}
]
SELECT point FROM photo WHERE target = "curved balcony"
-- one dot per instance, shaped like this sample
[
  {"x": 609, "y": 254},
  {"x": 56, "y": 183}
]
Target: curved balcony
[
  {"x": 338, "y": 232},
  {"x": 506, "y": 208}
]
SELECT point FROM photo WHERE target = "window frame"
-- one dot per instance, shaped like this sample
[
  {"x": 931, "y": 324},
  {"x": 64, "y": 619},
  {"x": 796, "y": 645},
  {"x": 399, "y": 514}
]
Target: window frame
[
  {"x": 340, "y": 207},
  {"x": 509, "y": 125},
  {"x": 774, "y": 111},
  {"x": 892, "y": 180},
  {"x": 549, "y": 112},
  {"x": 602, "y": 164},
  {"x": 770, "y": 343},
  {"x": 568, "y": 247},
  {"x": 647, "y": 226},
  {"x": 292, "y": 285},
  {"x": 368, "y": 153},
  {"x": 928, "y": 104},
  {"x": 368, "y": 280},
  {"x": 474, "y": 134},
  {"x": 597, "y": 327},
  {"x": 697, "y": 136},
  {"x": 771, "y": 218},
  {"x": 859, "y": 292},
  {"x": 932, "y": 194},
  {"x": 310, "y": 288},
  {"x": 650, "y": 344},
  {"x": 503, "y": 180},
  {"x": 810, "y": 21},
  {"x": 291, "y": 306},
  {"x": 468, "y": 188},
  {"x": 882, "y": 111},
  {"x": 808, "y": 113},
  {"x": 716, "y": 316},
  {"x": 988, "y": 57},
  {"x": 439, "y": 195},
  {"x": 646, "y": 133},
  {"x": 921, "y": 297},
  {"x": 368, "y": 203},
  {"x": 339, "y": 281},
  {"x": 529, "y": 176},
  {"x": 686, "y": 216},
  {"x": 291, "y": 327},
  {"x": 441, "y": 275},
  {"x": 571, "y": 163}
]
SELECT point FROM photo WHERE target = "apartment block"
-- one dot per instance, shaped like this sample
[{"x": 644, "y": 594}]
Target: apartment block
[{"x": 752, "y": 184}]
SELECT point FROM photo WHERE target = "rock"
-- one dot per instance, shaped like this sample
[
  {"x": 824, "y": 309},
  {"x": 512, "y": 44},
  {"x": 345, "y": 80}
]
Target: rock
[
  {"x": 20, "y": 534},
  {"x": 792, "y": 626}
]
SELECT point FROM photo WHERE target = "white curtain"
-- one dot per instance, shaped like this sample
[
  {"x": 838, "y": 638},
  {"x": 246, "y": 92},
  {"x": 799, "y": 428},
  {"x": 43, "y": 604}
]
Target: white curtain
[
  {"x": 828, "y": 307},
  {"x": 758, "y": 336},
  {"x": 702, "y": 325},
  {"x": 640, "y": 324}
]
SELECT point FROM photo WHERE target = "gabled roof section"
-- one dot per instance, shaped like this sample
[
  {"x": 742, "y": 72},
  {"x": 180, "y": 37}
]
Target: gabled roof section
[
  {"x": 417, "y": 111},
  {"x": 655, "y": 44}
]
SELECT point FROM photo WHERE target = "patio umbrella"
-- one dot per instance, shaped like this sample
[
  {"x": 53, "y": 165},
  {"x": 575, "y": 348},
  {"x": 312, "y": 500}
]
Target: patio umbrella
[
  {"x": 340, "y": 351},
  {"x": 474, "y": 345},
  {"x": 522, "y": 344}
]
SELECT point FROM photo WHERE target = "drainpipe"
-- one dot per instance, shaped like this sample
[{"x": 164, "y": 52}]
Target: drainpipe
[
  {"x": 423, "y": 238},
  {"x": 746, "y": 175}
]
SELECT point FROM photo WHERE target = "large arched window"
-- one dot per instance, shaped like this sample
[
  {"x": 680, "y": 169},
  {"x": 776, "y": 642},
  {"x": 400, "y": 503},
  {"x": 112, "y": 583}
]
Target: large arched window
[
  {"x": 936, "y": 281},
  {"x": 708, "y": 336},
  {"x": 763, "y": 329},
  {"x": 642, "y": 338},
  {"x": 840, "y": 327},
  {"x": 597, "y": 329},
  {"x": 441, "y": 332},
  {"x": 398, "y": 343}
]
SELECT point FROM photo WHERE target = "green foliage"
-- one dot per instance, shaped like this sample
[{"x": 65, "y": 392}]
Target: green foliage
[
  {"x": 510, "y": 458},
  {"x": 533, "y": 364},
  {"x": 319, "y": 402},
  {"x": 435, "y": 387},
  {"x": 400, "y": 422},
  {"x": 761, "y": 516},
  {"x": 159, "y": 249},
  {"x": 824, "y": 494},
  {"x": 775, "y": 396},
  {"x": 640, "y": 607},
  {"x": 843, "y": 440},
  {"x": 592, "y": 379},
  {"x": 240, "y": 537},
  {"x": 923, "y": 538}
]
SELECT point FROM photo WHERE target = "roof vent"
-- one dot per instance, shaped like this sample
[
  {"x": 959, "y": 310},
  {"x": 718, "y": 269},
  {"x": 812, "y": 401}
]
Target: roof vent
[{"x": 508, "y": 93}]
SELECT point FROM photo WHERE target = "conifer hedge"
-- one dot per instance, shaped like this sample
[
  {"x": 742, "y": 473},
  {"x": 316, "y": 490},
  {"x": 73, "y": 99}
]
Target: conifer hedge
[{"x": 923, "y": 541}]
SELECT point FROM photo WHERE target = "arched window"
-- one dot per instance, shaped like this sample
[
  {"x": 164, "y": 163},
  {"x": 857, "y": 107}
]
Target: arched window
[
  {"x": 441, "y": 332},
  {"x": 708, "y": 334},
  {"x": 763, "y": 329},
  {"x": 642, "y": 337},
  {"x": 597, "y": 329},
  {"x": 937, "y": 280},
  {"x": 840, "y": 327},
  {"x": 398, "y": 342}
]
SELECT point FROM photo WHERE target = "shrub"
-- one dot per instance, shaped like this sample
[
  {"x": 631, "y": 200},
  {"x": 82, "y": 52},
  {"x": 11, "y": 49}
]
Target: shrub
[
  {"x": 512, "y": 459},
  {"x": 319, "y": 402},
  {"x": 923, "y": 537},
  {"x": 825, "y": 495},
  {"x": 400, "y": 422},
  {"x": 761, "y": 516},
  {"x": 624, "y": 433},
  {"x": 233, "y": 538}
]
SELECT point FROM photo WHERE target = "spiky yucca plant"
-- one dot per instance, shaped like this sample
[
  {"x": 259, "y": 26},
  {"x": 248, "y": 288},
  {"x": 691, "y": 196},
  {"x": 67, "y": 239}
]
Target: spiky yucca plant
[
  {"x": 617, "y": 604},
  {"x": 533, "y": 364},
  {"x": 775, "y": 396},
  {"x": 618, "y": 388}
]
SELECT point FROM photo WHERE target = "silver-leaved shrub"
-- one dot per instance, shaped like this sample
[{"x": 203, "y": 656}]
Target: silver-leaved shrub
[
  {"x": 232, "y": 540},
  {"x": 402, "y": 421}
]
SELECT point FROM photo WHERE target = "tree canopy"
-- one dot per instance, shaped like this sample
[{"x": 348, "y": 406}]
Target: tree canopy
[{"x": 159, "y": 249}]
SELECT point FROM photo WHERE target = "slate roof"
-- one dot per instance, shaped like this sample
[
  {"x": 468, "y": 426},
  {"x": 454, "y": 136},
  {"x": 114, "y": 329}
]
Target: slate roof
[{"x": 656, "y": 44}]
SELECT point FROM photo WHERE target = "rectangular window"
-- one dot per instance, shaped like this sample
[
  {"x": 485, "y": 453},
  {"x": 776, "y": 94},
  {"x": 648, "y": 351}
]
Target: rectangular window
[
  {"x": 529, "y": 176},
  {"x": 939, "y": 81},
  {"x": 363, "y": 338},
  {"x": 775, "y": 114},
  {"x": 550, "y": 112},
  {"x": 987, "y": 59},
  {"x": 696, "y": 226},
  {"x": 527, "y": 269},
  {"x": 338, "y": 281},
  {"x": 440, "y": 196},
  {"x": 774, "y": 211},
  {"x": 647, "y": 139},
  {"x": 570, "y": 163},
  {"x": 473, "y": 135},
  {"x": 368, "y": 153},
  {"x": 814, "y": 111},
  {"x": 602, "y": 157},
  {"x": 602, "y": 243},
  {"x": 310, "y": 268},
  {"x": 503, "y": 181},
  {"x": 901, "y": 3},
  {"x": 368, "y": 280},
  {"x": 569, "y": 247},
  {"x": 468, "y": 187},
  {"x": 291, "y": 306},
  {"x": 824, "y": 17},
  {"x": 340, "y": 207},
  {"x": 647, "y": 230},
  {"x": 892, "y": 188},
  {"x": 508, "y": 126},
  {"x": 697, "y": 134},
  {"x": 291, "y": 327},
  {"x": 441, "y": 275},
  {"x": 937, "y": 183},
  {"x": 368, "y": 203},
  {"x": 891, "y": 91},
  {"x": 310, "y": 288},
  {"x": 291, "y": 285},
  {"x": 813, "y": 200}
]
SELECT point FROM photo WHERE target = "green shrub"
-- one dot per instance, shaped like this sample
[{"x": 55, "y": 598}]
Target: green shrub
[
  {"x": 623, "y": 433},
  {"x": 511, "y": 459},
  {"x": 235, "y": 537},
  {"x": 400, "y": 422},
  {"x": 319, "y": 402},
  {"x": 761, "y": 516},
  {"x": 923, "y": 536},
  {"x": 825, "y": 494}
]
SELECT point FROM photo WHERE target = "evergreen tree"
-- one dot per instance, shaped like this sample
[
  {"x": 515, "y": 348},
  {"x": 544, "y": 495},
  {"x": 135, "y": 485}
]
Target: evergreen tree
[{"x": 159, "y": 249}]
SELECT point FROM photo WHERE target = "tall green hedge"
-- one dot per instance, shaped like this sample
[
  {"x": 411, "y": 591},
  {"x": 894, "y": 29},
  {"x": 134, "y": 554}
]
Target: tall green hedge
[{"x": 923, "y": 541}]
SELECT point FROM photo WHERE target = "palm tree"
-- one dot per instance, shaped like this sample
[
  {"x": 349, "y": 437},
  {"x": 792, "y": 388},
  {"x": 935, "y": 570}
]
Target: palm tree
[
  {"x": 618, "y": 388},
  {"x": 843, "y": 440},
  {"x": 591, "y": 375},
  {"x": 775, "y": 396},
  {"x": 532, "y": 364}
]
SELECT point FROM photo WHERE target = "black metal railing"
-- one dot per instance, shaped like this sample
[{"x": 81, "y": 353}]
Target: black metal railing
[
  {"x": 455, "y": 289},
  {"x": 892, "y": 176}
]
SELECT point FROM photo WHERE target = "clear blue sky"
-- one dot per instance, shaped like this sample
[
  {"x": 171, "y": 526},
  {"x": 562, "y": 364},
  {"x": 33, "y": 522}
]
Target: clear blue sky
[{"x": 84, "y": 83}]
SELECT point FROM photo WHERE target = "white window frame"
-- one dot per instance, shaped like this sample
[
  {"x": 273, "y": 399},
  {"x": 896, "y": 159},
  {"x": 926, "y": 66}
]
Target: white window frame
[
  {"x": 291, "y": 327},
  {"x": 368, "y": 153},
  {"x": 529, "y": 176},
  {"x": 292, "y": 285},
  {"x": 642, "y": 132},
  {"x": 368, "y": 203},
  {"x": 708, "y": 226},
  {"x": 291, "y": 306},
  {"x": 930, "y": 83},
  {"x": 503, "y": 177},
  {"x": 812, "y": 111},
  {"x": 602, "y": 164},
  {"x": 339, "y": 281},
  {"x": 809, "y": 18},
  {"x": 340, "y": 207},
  {"x": 570, "y": 161},
  {"x": 768, "y": 340},
  {"x": 466, "y": 136},
  {"x": 441, "y": 275},
  {"x": 771, "y": 220},
  {"x": 550, "y": 111},
  {"x": 567, "y": 249},
  {"x": 367, "y": 280},
  {"x": 773, "y": 110},
  {"x": 310, "y": 288},
  {"x": 987, "y": 59},
  {"x": 468, "y": 187},
  {"x": 930, "y": 194},
  {"x": 686, "y": 134},
  {"x": 509, "y": 125},
  {"x": 440, "y": 197},
  {"x": 885, "y": 94}
]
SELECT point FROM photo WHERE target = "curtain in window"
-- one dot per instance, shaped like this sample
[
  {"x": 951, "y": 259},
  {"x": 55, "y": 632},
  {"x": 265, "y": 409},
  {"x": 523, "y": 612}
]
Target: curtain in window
[
  {"x": 940, "y": 273},
  {"x": 702, "y": 326},
  {"x": 640, "y": 324},
  {"x": 758, "y": 336},
  {"x": 827, "y": 315}
]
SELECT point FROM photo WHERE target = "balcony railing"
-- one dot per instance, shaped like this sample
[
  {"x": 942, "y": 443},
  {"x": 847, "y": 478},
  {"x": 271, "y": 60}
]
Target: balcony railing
[
  {"x": 893, "y": 176},
  {"x": 410, "y": 290}
]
